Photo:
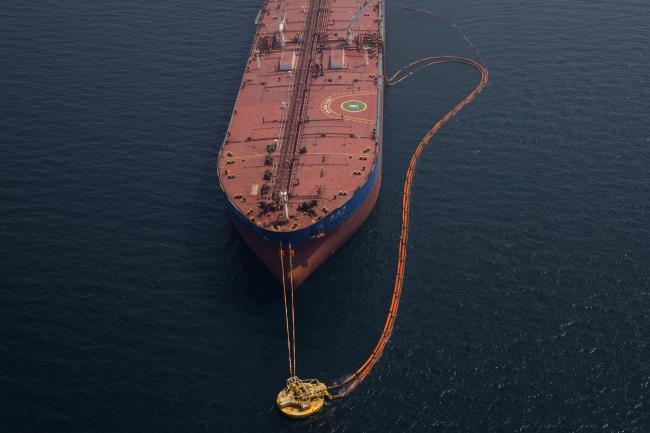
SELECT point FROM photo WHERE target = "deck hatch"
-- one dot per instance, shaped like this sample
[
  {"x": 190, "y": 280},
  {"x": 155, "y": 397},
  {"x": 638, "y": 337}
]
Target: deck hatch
[
  {"x": 287, "y": 60},
  {"x": 337, "y": 58}
]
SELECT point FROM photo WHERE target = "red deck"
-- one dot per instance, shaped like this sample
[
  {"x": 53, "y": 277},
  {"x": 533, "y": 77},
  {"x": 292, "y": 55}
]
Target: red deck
[{"x": 337, "y": 143}]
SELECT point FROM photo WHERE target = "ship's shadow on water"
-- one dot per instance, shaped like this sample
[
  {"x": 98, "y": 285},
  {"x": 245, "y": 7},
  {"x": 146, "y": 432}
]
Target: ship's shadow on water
[
  {"x": 256, "y": 280},
  {"x": 219, "y": 254}
]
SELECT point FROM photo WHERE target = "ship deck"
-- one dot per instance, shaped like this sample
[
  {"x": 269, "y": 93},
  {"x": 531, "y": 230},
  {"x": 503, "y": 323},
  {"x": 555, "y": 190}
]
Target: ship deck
[{"x": 333, "y": 144}]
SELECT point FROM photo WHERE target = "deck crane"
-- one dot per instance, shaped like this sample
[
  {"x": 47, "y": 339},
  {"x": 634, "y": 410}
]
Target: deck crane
[{"x": 354, "y": 18}]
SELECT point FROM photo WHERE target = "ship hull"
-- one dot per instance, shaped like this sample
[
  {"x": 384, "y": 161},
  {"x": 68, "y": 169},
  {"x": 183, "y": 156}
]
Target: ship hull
[{"x": 308, "y": 256}]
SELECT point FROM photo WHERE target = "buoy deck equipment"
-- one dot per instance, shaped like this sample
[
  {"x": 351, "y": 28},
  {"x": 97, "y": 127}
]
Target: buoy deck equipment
[{"x": 302, "y": 398}]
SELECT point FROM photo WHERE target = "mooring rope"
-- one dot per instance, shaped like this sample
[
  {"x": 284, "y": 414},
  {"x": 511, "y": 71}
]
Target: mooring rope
[
  {"x": 286, "y": 311},
  {"x": 290, "y": 323},
  {"x": 353, "y": 380},
  {"x": 293, "y": 311}
]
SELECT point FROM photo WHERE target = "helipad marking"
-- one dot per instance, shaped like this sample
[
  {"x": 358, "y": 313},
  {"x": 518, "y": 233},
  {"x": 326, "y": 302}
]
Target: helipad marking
[
  {"x": 327, "y": 107},
  {"x": 354, "y": 106}
]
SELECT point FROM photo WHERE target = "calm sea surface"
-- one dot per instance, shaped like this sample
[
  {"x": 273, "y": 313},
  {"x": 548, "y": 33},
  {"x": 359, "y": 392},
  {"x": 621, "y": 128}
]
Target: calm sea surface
[{"x": 129, "y": 304}]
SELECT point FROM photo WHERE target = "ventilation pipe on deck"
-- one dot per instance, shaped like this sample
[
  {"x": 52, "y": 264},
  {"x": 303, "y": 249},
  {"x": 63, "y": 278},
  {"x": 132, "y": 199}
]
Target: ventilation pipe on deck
[
  {"x": 285, "y": 203},
  {"x": 282, "y": 28}
]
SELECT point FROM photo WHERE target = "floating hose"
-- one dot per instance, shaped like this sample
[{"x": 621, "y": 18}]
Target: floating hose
[{"x": 352, "y": 381}]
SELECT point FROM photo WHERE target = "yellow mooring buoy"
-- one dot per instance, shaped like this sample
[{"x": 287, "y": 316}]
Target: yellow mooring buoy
[{"x": 302, "y": 398}]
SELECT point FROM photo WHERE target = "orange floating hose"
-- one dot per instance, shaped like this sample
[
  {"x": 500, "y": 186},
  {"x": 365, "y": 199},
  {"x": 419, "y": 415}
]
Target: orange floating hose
[{"x": 353, "y": 380}]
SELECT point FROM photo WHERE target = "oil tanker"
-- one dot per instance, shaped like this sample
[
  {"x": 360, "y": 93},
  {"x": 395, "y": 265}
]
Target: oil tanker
[{"x": 300, "y": 164}]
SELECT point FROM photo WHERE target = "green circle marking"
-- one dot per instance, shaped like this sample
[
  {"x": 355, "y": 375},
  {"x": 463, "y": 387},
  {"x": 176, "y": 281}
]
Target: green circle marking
[{"x": 354, "y": 106}]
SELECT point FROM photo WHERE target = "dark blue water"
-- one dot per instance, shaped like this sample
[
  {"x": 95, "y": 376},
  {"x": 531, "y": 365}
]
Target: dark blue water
[{"x": 129, "y": 304}]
